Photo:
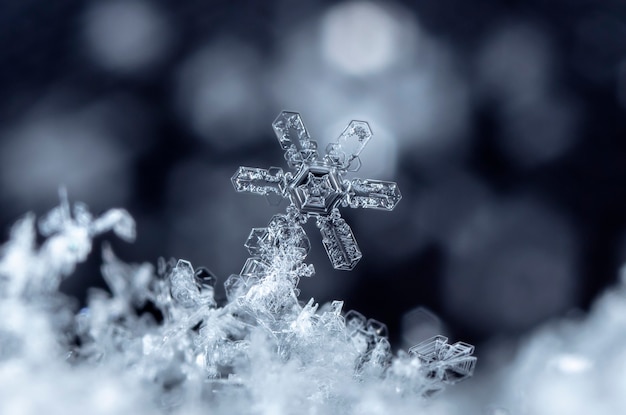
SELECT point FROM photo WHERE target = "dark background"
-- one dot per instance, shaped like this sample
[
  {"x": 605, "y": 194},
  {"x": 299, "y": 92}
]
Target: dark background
[{"x": 503, "y": 123}]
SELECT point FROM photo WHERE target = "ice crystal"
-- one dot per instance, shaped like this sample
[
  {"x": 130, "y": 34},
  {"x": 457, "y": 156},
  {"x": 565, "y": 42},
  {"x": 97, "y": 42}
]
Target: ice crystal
[
  {"x": 160, "y": 332},
  {"x": 318, "y": 186},
  {"x": 444, "y": 363},
  {"x": 26, "y": 271}
]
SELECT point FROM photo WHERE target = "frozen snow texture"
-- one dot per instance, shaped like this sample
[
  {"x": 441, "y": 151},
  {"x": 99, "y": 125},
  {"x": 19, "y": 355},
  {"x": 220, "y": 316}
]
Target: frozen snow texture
[
  {"x": 26, "y": 271},
  {"x": 318, "y": 186},
  {"x": 159, "y": 341},
  {"x": 573, "y": 366}
]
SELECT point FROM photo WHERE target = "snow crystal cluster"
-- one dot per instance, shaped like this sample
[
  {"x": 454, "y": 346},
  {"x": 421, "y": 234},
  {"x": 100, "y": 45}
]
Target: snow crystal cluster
[{"x": 159, "y": 341}]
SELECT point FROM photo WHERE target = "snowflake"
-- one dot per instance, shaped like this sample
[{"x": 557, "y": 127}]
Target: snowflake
[{"x": 318, "y": 186}]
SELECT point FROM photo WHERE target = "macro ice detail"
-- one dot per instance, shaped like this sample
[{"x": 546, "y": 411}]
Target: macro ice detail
[
  {"x": 444, "y": 363},
  {"x": 162, "y": 339},
  {"x": 318, "y": 186}
]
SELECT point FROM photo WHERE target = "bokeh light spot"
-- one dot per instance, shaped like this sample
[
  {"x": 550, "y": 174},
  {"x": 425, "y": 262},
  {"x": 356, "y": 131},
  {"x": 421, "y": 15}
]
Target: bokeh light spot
[
  {"x": 126, "y": 35},
  {"x": 360, "y": 37}
]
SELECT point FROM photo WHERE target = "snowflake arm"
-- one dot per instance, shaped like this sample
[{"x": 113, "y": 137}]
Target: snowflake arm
[
  {"x": 294, "y": 139},
  {"x": 260, "y": 181},
  {"x": 339, "y": 241},
  {"x": 344, "y": 154},
  {"x": 373, "y": 194}
]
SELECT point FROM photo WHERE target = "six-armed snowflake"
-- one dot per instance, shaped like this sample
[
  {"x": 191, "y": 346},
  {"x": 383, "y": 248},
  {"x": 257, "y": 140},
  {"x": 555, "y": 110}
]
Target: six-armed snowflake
[{"x": 318, "y": 187}]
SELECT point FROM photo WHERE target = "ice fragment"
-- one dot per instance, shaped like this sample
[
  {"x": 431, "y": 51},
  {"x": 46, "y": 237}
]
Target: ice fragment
[
  {"x": 443, "y": 362},
  {"x": 184, "y": 290},
  {"x": 205, "y": 280}
]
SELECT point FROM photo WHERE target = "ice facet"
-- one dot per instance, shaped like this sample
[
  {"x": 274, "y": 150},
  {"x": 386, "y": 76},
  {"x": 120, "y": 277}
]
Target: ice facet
[
  {"x": 431, "y": 348},
  {"x": 254, "y": 268},
  {"x": 355, "y": 321},
  {"x": 235, "y": 287},
  {"x": 318, "y": 186},
  {"x": 205, "y": 279},
  {"x": 257, "y": 243}
]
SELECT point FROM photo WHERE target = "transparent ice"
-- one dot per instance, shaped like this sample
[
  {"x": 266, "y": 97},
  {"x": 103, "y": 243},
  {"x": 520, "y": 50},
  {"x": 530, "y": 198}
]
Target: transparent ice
[
  {"x": 318, "y": 186},
  {"x": 158, "y": 341},
  {"x": 444, "y": 363}
]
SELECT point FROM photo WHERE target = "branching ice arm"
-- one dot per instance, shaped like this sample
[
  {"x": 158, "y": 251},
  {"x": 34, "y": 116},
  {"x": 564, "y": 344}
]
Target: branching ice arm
[
  {"x": 345, "y": 152},
  {"x": 339, "y": 241},
  {"x": 259, "y": 181},
  {"x": 373, "y": 194},
  {"x": 294, "y": 139}
]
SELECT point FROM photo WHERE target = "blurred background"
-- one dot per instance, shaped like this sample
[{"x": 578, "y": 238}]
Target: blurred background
[{"x": 504, "y": 124}]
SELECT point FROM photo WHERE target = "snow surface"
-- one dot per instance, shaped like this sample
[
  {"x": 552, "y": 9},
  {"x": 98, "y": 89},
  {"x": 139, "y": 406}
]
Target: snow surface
[{"x": 159, "y": 342}]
